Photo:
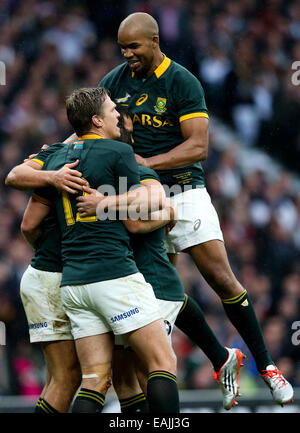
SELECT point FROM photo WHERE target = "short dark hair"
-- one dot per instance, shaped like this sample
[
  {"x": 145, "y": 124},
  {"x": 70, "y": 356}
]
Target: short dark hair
[{"x": 82, "y": 105}]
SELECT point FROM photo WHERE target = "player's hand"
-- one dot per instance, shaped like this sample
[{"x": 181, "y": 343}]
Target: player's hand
[
  {"x": 33, "y": 155},
  {"x": 173, "y": 216},
  {"x": 140, "y": 160},
  {"x": 68, "y": 179},
  {"x": 170, "y": 226},
  {"x": 87, "y": 204}
]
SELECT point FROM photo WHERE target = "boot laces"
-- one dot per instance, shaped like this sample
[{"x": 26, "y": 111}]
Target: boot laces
[{"x": 276, "y": 376}]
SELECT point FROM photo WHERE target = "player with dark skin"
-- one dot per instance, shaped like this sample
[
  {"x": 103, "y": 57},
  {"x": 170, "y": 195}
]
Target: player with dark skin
[
  {"x": 143, "y": 55},
  {"x": 138, "y": 38}
]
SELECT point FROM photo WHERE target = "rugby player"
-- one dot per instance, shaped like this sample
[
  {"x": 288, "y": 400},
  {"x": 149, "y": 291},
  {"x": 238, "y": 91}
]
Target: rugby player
[
  {"x": 40, "y": 293},
  {"x": 48, "y": 323},
  {"x": 152, "y": 261},
  {"x": 102, "y": 290},
  {"x": 170, "y": 119}
]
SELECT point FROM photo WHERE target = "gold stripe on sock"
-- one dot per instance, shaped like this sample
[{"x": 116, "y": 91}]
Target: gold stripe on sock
[
  {"x": 162, "y": 374},
  {"x": 235, "y": 299},
  {"x": 47, "y": 405},
  {"x": 44, "y": 407},
  {"x": 93, "y": 393},
  {"x": 132, "y": 401},
  {"x": 184, "y": 303},
  {"x": 90, "y": 395}
]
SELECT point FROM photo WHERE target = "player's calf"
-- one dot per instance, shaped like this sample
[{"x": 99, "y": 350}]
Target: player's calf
[
  {"x": 96, "y": 381},
  {"x": 160, "y": 360}
]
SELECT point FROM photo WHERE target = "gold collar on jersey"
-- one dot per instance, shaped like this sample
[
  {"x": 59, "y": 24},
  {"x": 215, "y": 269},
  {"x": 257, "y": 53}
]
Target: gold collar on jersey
[
  {"x": 92, "y": 136},
  {"x": 161, "y": 69}
]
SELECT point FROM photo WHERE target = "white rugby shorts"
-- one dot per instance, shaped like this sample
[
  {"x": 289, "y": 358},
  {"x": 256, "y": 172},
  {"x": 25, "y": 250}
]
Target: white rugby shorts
[
  {"x": 41, "y": 297},
  {"x": 120, "y": 305},
  {"x": 198, "y": 221},
  {"x": 169, "y": 311}
]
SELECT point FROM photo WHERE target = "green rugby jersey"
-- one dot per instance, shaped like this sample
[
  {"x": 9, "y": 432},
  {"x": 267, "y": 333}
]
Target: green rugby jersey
[
  {"x": 157, "y": 105},
  {"x": 41, "y": 157},
  {"x": 47, "y": 255},
  {"x": 152, "y": 260},
  {"x": 93, "y": 250}
]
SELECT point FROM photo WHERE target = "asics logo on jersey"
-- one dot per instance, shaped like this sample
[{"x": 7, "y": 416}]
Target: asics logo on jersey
[
  {"x": 143, "y": 98},
  {"x": 124, "y": 315}
]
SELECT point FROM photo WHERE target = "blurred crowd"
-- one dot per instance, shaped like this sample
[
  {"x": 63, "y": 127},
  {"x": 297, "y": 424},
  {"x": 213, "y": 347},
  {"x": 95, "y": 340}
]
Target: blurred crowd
[{"x": 242, "y": 51}]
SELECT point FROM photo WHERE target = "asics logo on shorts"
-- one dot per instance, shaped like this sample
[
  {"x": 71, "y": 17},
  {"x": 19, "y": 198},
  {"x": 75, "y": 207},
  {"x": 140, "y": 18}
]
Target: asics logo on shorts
[
  {"x": 124, "y": 315},
  {"x": 197, "y": 224},
  {"x": 38, "y": 325}
]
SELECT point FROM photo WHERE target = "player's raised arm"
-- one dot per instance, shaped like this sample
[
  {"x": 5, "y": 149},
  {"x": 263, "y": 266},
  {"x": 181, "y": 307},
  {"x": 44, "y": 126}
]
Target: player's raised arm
[
  {"x": 193, "y": 149},
  {"x": 29, "y": 175}
]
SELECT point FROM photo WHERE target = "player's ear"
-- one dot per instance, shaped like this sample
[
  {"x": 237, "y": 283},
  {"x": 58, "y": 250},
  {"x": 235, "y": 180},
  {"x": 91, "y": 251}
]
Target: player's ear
[
  {"x": 155, "y": 41},
  {"x": 97, "y": 121}
]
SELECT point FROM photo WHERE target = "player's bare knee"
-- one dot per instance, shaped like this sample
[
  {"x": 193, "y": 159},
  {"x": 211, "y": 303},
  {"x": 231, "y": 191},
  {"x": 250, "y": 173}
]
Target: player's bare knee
[
  {"x": 67, "y": 375},
  {"x": 97, "y": 377},
  {"x": 166, "y": 361}
]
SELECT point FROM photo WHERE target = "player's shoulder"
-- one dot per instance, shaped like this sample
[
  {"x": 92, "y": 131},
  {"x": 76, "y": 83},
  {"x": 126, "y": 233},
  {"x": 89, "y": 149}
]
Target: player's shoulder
[
  {"x": 118, "y": 71},
  {"x": 53, "y": 157},
  {"x": 181, "y": 74},
  {"x": 147, "y": 173},
  {"x": 118, "y": 147}
]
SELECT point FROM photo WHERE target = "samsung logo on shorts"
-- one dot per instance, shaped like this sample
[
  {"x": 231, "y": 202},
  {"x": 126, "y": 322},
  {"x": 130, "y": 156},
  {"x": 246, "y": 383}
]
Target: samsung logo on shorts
[
  {"x": 38, "y": 325},
  {"x": 124, "y": 315}
]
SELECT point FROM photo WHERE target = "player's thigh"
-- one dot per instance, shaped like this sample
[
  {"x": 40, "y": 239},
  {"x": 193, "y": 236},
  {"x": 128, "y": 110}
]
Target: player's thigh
[{"x": 153, "y": 347}]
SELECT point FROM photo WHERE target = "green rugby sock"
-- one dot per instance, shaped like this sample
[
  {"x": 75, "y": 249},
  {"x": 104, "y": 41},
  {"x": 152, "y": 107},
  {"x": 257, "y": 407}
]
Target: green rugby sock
[
  {"x": 136, "y": 404},
  {"x": 88, "y": 401},
  {"x": 191, "y": 321},
  {"x": 162, "y": 392},
  {"x": 43, "y": 406},
  {"x": 241, "y": 313}
]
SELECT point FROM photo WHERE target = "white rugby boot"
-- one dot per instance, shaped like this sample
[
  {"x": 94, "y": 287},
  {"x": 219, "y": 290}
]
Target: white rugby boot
[
  {"x": 281, "y": 390},
  {"x": 228, "y": 375}
]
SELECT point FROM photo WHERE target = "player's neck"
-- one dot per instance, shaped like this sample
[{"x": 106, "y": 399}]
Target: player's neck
[
  {"x": 96, "y": 133},
  {"x": 157, "y": 60}
]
